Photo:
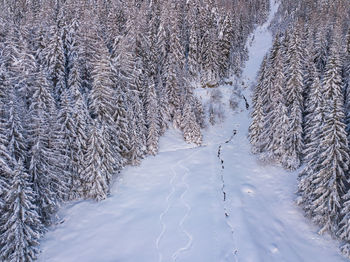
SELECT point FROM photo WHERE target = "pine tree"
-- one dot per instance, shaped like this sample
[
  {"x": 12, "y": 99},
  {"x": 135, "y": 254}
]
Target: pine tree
[
  {"x": 313, "y": 129},
  {"x": 320, "y": 53},
  {"x": 307, "y": 61},
  {"x": 6, "y": 169},
  {"x": 198, "y": 111},
  {"x": 68, "y": 137},
  {"x": 81, "y": 118},
  {"x": 331, "y": 168},
  {"x": 135, "y": 152},
  {"x": 266, "y": 94},
  {"x": 91, "y": 48},
  {"x": 193, "y": 56},
  {"x": 121, "y": 125},
  {"x": 310, "y": 75},
  {"x": 346, "y": 79},
  {"x": 40, "y": 44},
  {"x": 225, "y": 42},
  {"x": 4, "y": 86},
  {"x": 314, "y": 105},
  {"x": 175, "y": 71},
  {"x": 344, "y": 228},
  {"x": 15, "y": 141},
  {"x": 20, "y": 63},
  {"x": 102, "y": 93},
  {"x": 190, "y": 127},
  {"x": 20, "y": 227},
  {"x": 276, "y": 121},
  {"x": 106, "y": 103},
  {"x": 151, "y": 48},
  {"x": 72, "y": 49},
  {"x": 55, "y": 62},
  {"x": 152, "y": 119},
  {"x": 162, "y": 45},
  {"x": 210, "y": 57},
  {"x": 99, "y": 164},
  {"x": 173, "y": 90},
  {"x": 256, "y": 128},
  {"x": 348, "y": 42},
  {"x": 48, "y": 176},
  {"x": 176, "y": 49},
  {"x": 294, "y": 102},
  {"x": 137, "y": 128},
  {"x": 164, "y": 115},
  {"x": 139, "y": 108}
]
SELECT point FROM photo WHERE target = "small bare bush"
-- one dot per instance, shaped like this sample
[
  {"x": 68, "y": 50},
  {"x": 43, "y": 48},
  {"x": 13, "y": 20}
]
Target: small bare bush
[
  {"x": 216, "y": 113},
  {"x": 215, "y": 96}
]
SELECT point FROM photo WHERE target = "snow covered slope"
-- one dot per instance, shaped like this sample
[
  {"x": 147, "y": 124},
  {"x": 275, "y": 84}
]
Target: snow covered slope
[{"x": 208, "y": 204}]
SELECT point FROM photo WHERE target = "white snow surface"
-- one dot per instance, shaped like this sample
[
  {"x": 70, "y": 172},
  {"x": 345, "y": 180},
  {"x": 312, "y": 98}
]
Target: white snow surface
[{"x": 172, "y": 208}]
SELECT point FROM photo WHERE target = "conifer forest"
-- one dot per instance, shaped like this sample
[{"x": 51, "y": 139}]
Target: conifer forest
[{"x": 89, "y": 88}]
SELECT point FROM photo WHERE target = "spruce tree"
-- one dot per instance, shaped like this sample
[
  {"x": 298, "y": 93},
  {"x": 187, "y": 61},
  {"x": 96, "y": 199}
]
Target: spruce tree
[
  {"x": 55, "y": 62},
  {"x": 173, "y": 90},
  {"x": 48, "y": 177},
  {"x": 294, "y": 102},
  {"x": 120, "y": 118},
  {"x": 276, "y": 121},
  {"x": 190, "y": 127},
  {"x": 16, "y": 142},
  {"x": 164, "y": 115},
  {"x": 101, "y": 99},
  {"x": 138, "y": 105},
  {"x": 193, "y": 56},
  {"x": 331, "y": 168},
  {"x": 198, "y": 111},
  {"x": 314, "y": 122},
  {"x": 6, "y": 161},
  {"x": 136, "y": 126},
  {"x": 20, "y": 227},
  {"x": 106, "y": 105},
  {"x": 256, "y": 128},
  {"x": 344, "y": 225},
  {"x": 40, "y": 44},
  {"x": 346, "y": 80},
  {"x": 320, "y": 53},
  {"x": 152, "y": 120},
  {"x": 210, "y": 57},
  {"x": 68, "y": 136},
  {"x": 267, "y": 92},
  {"x": 225, "y": 42},
  {"x": 99, "y": 164},
  {"x": 81, "y": 118},
  {"x": 162, "y": 45}
]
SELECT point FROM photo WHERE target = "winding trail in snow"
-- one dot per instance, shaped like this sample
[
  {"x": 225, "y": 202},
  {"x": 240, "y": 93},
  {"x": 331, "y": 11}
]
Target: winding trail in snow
[
  {"x": 163, "y": 214},
  {"x": 168, "y": 207},
  {"x": 181, "y": 224}
]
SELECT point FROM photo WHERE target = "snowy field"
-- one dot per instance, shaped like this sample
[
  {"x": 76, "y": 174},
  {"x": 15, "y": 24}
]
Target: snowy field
[{"x": 211, "y": 203}]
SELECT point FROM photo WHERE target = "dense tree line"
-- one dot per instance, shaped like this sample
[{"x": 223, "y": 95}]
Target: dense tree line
[
  {"x": 87, "y": 87},
  {"x": 301, "y": 111}
]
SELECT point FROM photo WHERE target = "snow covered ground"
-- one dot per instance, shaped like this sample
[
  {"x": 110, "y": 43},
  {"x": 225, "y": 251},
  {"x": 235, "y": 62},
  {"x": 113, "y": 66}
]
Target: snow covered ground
[{"x": 211, "y": 203}]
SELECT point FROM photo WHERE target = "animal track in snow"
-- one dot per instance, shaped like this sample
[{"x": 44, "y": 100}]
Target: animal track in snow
[
  {"x": 234, "y": 251},
  {"x": 273, "y": 248},
  {"x": 248, "y": 189}
]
